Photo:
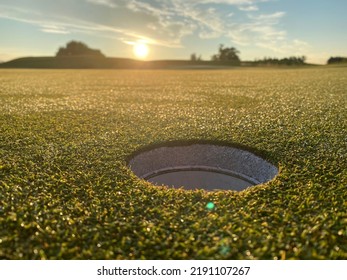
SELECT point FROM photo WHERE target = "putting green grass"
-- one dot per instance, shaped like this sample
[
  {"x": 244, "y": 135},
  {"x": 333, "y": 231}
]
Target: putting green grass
[{"x": 66, "y": 191}]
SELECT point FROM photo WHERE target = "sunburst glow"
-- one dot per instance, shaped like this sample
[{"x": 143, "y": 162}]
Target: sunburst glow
[{"x": 141, "y": 50}]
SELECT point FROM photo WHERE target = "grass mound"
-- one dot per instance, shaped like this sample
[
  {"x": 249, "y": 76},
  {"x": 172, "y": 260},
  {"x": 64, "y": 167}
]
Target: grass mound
[{"x": 66, "y": 193}]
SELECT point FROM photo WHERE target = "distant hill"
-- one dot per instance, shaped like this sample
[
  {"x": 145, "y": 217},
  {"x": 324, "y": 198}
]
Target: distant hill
[
  {"x": 99, "y": 62},
  {"x": 75, "y": 62}
]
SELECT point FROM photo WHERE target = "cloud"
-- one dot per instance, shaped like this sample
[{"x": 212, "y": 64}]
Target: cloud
[
  {"x": 107, "y": 3},
  {"x": 179, "y": 18},
  {"x": 251, "y": 8},
  {"x": 57, "y": 23},
  {"x": 54, "y": 29},
  {"x": 268, "y": 17},
  {"x": 284, "y": 47}
]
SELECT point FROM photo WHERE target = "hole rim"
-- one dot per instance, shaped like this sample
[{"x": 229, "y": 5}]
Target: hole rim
[{"x": 263, "y": 155}]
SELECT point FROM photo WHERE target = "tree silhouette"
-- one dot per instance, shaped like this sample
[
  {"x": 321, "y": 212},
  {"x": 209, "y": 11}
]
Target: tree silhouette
[
  {"x": 195, "y": 57},
  {"x": 227, "y": 55},
  {"x": 337, "y": 59},
  {"x": 75, "y": 48}
]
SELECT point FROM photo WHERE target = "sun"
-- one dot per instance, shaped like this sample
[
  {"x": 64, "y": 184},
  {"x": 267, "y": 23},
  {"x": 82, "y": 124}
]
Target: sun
[{"x": 141, "y": 50}]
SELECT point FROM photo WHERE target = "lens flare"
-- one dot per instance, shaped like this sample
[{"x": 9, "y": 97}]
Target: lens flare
[{"x": 210, "y": 206}]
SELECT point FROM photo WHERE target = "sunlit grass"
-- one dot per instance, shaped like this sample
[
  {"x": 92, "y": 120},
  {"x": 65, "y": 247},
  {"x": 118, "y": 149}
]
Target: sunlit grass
[{"x": 66, "y": 193}]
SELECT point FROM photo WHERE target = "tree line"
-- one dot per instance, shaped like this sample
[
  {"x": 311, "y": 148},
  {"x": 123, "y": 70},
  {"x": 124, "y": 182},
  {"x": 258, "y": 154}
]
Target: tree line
[
  {"x": 231, "y": 55},
  {"x": 338, "y": 59},
  {"x": 228, "y": 55},
  {"x": 225, "y": 55},
  {"x": 293, "y": 60}
]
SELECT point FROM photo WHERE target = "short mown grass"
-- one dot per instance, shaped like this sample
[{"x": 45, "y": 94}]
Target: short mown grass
[{"x": 67, "y": 193}]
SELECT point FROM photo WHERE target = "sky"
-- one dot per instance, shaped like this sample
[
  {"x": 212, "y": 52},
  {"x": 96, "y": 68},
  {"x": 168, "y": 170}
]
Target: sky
[{"x": 174, "y": 29}]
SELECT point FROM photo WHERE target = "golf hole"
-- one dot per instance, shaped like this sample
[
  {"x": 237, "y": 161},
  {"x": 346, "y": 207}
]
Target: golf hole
[{"x": 202, "y": 166}]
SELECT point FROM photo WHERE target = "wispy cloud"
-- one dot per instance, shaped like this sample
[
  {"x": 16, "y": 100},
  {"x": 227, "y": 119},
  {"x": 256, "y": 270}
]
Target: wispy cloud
[
  {"x": 250, "y": 8},
  {"x": 107, "y": 3},
  {"x": 268, "y": 17},
  {"x": 54, "y": 29}
]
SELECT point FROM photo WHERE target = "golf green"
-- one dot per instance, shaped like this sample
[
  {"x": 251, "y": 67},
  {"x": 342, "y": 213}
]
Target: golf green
[{"x": 66, "y": 191}]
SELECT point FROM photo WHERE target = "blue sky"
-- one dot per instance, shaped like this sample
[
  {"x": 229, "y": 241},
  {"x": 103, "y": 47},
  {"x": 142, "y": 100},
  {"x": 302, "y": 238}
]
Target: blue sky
[{"x": 174, "y": 29}]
